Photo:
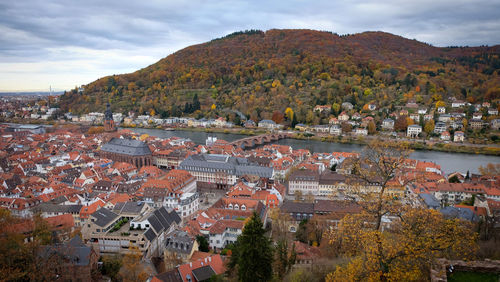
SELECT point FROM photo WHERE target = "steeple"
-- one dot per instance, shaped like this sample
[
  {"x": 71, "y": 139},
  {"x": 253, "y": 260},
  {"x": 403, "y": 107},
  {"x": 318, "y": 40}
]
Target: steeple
[
  {"x": 108, "y": 114},
  {"x": 109, "y": 123}
]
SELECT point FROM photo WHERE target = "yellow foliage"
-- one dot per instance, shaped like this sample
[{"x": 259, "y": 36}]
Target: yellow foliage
[{"x": 440, "y": 104}]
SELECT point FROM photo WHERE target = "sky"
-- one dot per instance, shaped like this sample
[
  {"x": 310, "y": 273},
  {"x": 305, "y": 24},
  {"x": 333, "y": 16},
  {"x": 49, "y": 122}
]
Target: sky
[{"x": 67, "y": 43}]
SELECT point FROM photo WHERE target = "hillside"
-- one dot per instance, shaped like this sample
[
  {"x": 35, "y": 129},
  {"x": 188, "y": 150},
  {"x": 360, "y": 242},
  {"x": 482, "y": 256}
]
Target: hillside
[{"x": 259, "y": 72}]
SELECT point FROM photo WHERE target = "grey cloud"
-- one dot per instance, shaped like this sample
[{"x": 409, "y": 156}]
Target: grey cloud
[{"x": 37, "y": 31}]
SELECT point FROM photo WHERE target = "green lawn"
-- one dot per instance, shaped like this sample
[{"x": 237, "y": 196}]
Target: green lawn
[{"x": 461, "y": 276}]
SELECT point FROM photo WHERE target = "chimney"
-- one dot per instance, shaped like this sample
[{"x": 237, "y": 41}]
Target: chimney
[
  {"x": 190, "y": 265},
  {"x": 210, "y": 259}
]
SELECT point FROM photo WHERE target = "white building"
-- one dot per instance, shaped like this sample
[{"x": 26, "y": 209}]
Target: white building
[{"x": 413, "y": 130}]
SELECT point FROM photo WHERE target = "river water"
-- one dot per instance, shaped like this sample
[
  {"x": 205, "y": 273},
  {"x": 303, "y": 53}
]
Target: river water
[{"x": 449, "y": 162}]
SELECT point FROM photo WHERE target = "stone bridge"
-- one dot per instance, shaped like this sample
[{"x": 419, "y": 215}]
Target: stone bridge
[{"x": 253, "y": 141}]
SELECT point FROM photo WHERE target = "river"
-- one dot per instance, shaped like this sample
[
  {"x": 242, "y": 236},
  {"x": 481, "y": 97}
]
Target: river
[{"x": 449, "y": 162}]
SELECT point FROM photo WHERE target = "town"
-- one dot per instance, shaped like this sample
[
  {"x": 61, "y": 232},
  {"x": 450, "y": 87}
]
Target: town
[
  {"x": 458, "y": 123},
  {"x": 180, "y": 207}
]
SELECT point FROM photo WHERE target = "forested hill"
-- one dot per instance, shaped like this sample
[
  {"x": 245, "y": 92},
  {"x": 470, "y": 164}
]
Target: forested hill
[{"x": 259, "y": 72}]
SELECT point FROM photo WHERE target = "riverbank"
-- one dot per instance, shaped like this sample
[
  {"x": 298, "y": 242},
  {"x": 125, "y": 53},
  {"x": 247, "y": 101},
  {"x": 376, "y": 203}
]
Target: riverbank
[
  {"x": 426, "y": 146},
  {"x": 415, "y": 145},
  {"x": 483, "y": 149}
]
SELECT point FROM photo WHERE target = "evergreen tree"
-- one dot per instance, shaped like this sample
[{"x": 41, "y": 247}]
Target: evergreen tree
[
  {"x": 196, "y": 103},
  {"x": 252, "y": 255},
  {"x": 294, "y": 121},
  {"x": 202, "y": 243}
]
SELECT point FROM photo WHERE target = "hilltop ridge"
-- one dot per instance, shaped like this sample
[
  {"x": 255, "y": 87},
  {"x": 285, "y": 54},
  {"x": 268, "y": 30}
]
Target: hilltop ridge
[{"x": 259, "y": 72}]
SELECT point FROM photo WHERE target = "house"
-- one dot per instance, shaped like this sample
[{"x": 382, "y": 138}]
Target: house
[
  {"x": 361, "y": 131},
  {"x": 445, "y": 136},
  {"x": 415, "y": 117},
  {"x": 372, "y": 107},
  {"x": 493, "y": 112},
  {"x": 322, "y": 128},
  {"x": 333, "y": 120},
  {"x": 440, "y": 127},
  {"x": 459, "y": 136},
  {"x": 495, "y": 124},
  {"x": 73, "y": 260},
  {"x": 477, "y": 115},
  {"x": 249, "y": 124},
  {"x": 301, "y": 127},
  {"x": 347, "y": 106},
  {"x": 322, "y": 109},
  {"x": 336, "y": 130},
  {"x": 303, "y": 181},
  {"x": 202, "y": 269},
  {"x": 444, "y": 118},
  {"x": 454, "y": 193},
  {"x": 388, "y": 124},
  {"x": 476, "y": 123},
  {"x": 224, "y": 232},
  {"x": 413, "y": 130},
  {"x": 422, "y": 111},
  {"x": 269, "y": 124},
  {"x": 180, "y": 247},
  {"x": 343, "y": 117},
  {"x": 457, "y": 104},
  {"x": 356, "y": 116},
  {"x": 428, "y": 117}
]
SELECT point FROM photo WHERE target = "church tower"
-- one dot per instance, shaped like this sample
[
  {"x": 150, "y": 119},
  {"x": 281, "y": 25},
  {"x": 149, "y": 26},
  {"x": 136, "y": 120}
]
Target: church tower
[{"x": 109, "y": 123}]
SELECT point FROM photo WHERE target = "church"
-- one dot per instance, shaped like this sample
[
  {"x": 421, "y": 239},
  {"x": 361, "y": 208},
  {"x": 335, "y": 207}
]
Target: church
[{"x": 127, "y": 150}]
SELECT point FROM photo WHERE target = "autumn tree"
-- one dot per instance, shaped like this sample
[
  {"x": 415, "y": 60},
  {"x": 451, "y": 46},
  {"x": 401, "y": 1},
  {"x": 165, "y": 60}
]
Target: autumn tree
[
  {"x": 133, "y": 270},
  {"x": 372, "y": 129},
  {"x": 403, "y": 253},
  {"x": 277, "y": 117},
  {"x": 289, "y": 113},
  {"x": 404, "y": 250},
  {"x": 401, "y": 123},
  {"x": 252, "y": 255},
  {"x": 490, "y": 169},
  {"x": 429, "y": 127}
]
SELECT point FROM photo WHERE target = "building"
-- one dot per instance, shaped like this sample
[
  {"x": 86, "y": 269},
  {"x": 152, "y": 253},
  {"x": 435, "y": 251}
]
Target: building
[
  {"x": 495, "y": 124},
  {"x": 127, "y": 150},
  {"x": 413, "y": 130},
  {"x": 269, "y": 124},
  {"x": 476, "y": 123},
  {"x": 322, "y": 109},
  {"x": 109, "y": 123},
  {"x": 34, "y": 129},
  {"x": 224, "y": 232},
  {"x": 445, "y": 136},
  {"x": 335, "y": 129},
  {"x": 169, "y": 159},
  {"x": 180, "y": 247},
  {"x": 361, "y": 131},
  {"x": 134, "y": 224},
  {"x": 222, "y": 171},
  {"x": 440, "y": 127},
  {"x": 459, "y": 136},
  {"x": 304, "y": 181},
  {"x": 388, "y": 124},
  {"x": 73, "y": 260}
]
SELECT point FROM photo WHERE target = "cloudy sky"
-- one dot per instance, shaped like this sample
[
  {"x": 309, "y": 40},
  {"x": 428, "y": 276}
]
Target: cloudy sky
[{"x": 63, "y": 43}]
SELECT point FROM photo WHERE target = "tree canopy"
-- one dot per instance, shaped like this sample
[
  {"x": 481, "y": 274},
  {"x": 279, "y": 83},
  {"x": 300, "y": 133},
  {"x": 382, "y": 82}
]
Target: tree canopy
[{"x": 252, "y": 255}]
